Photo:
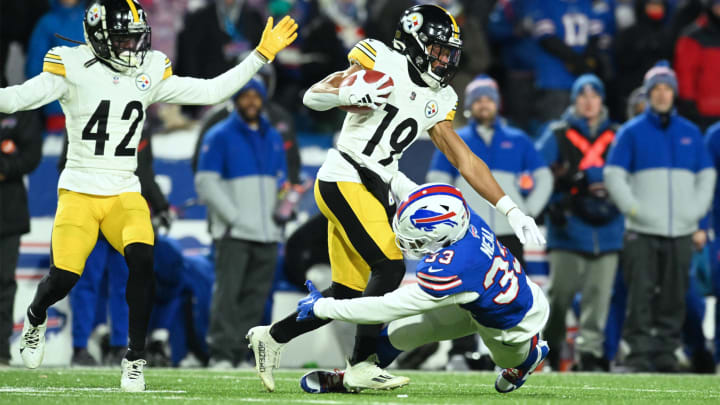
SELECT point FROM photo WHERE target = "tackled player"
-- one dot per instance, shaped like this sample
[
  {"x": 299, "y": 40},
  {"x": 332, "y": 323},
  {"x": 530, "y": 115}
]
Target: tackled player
[{"x": 353, "y": 186}]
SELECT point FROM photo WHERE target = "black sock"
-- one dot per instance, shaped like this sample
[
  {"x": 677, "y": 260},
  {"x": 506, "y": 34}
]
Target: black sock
[
  {"x": 385, "y": 277},
  {"x": 52, "y": 288},
  {"x": 289, "y": 328},
  {"x": 139, "y": 294}
]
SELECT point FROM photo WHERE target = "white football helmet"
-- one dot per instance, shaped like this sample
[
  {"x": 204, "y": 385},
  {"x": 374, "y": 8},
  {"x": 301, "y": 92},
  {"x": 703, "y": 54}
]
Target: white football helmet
[{"x": 432, "y": 217}]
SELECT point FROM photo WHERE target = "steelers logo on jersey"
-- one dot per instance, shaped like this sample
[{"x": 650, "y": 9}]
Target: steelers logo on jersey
[
  {"x": 412, "y": 22},
  {"x": 431, "y": 108},
  {"x": 93, "y": 15},
  {"x": 142, "y": 81}
]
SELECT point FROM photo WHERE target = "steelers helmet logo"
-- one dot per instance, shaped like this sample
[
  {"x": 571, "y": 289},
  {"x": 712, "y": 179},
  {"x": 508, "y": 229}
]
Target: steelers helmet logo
[
  {"x": 142, "y": 82},
  {"x": 412, "y": 23},
  {"x": 93, "y": 15},
  {"x": 431, "y": 108}
]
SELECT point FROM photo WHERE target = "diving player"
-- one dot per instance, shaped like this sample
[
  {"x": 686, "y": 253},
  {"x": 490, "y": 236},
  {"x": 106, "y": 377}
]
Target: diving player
[
  {"x": 353, "y": 184},
  {"x": 104, "y": 87},
  {"x": 467, "y": 282}
]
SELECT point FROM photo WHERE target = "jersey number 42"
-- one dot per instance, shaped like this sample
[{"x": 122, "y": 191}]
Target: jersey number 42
[{"x": 100, "y": 135}]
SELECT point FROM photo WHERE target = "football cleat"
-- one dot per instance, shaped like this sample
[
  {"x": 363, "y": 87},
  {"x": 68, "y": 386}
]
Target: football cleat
[
  {"x": 132, "y": 379},
  {"x": 321, "y": 382},
  {"x": 367, "y": 375},
  {"x": 511, "y": 379},
  {"x": 32, "y": 343},
  {"x": 267, "y": 354}
]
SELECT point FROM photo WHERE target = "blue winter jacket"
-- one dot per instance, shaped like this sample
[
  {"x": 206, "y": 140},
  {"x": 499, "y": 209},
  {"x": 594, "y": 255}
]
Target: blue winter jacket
[
  {"x": 576, "y": 234},
  {"x": 240, "y": 171},
  {"x": 66, "y": 21},
  {"x": 661, "y": 178}
]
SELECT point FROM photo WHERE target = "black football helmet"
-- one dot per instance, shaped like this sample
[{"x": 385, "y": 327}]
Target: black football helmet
[
  {"x": 117, "y": 31},
  {"x": 430, "y": 39}
]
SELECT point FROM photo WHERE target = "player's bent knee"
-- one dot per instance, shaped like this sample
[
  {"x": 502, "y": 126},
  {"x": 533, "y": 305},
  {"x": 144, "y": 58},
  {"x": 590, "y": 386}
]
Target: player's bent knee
[
  {"x": 60, "y": 281},
  {"x": 339, "y": 291},
  {"x": 139, "y": 257}
]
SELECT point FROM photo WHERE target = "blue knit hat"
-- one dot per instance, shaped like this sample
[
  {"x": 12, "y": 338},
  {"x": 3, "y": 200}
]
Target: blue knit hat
[
  {"x": 254, "y": 84},
  {"x": 482, "y": 85},
  {"x": 660, "y": 73},
  {"x": 587, "y": 79}
]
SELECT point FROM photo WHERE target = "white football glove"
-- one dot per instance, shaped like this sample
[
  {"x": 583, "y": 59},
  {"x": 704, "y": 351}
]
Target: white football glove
[
  {"x": 523, "y": 225},
  {"x": 363, "y": 94}
]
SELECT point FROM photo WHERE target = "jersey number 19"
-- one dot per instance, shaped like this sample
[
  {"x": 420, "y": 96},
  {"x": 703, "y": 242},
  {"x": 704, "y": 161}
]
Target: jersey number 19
[
  {"x": 100, "y": 119},
  {"x": 398, "y": 145}
]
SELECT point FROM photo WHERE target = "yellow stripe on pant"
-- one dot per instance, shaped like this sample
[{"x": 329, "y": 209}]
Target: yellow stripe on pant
[
  {"x": 123, "y": 219},
  {"x": 359, "y": 233}
]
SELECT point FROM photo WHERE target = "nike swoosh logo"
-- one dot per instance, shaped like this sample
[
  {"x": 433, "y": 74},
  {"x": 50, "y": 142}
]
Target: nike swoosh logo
[{"x": 431, "y": 270}]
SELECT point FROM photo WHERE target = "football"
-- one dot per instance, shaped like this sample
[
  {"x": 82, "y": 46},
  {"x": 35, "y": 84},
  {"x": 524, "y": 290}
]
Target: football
[{"x": 371, "y": 76}]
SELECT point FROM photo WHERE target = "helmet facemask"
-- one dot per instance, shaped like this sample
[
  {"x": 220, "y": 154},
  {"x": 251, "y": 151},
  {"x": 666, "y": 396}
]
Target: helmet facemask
[{"x": 128, "y": 49}]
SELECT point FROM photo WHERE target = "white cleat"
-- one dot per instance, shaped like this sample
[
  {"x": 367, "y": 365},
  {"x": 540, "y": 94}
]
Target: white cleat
[
  {"x": 132, "y": 379},
  {"x": 267, "y": 354},
  {"x": 367, "y": 375},
  {"x": 32, "y": 343}
]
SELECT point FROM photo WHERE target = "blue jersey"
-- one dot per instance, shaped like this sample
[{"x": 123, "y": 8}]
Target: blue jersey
[
  {"x": 573, "y": 21},
  {"x": 479, "y": 263}
]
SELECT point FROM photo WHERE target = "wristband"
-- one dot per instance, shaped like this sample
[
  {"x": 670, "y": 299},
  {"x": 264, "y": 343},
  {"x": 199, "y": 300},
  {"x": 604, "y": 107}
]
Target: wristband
[{"x": 505, "y": 204}]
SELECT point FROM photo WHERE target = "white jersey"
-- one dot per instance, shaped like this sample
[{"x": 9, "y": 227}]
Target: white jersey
[
  {"x": 105, "y": 110},
  {"x": 378, "y": 139}
]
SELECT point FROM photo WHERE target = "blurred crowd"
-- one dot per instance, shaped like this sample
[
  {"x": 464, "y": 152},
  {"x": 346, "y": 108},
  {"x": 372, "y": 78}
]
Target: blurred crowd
[{"x": 598, "y": 117}]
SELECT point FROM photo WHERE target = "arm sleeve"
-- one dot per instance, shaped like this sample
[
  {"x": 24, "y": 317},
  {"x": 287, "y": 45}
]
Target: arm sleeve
[
  {"x": 192, "y": 91},
  {"x": 401, "y": 303},
  {"x": 320, "y": 101},
  {"x": 29, "y": 146},
  {"x": 36, "y": 92},
  {"x": 537, "y": 199},
  {"x": 616, "y": 173},
  {"x": 704, "y": 179},
  {"x": 401, "y": 185},
  {"x": 208, "y": 180},
  {"x": 211, "y": 192}
]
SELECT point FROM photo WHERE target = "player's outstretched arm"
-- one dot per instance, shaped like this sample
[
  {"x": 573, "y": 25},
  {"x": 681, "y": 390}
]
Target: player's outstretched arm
[
  {"x": 193, "y": 91},
  {"x": 328, "y": 93},
  {"x": 401, "y": 303},
  {"x": 36, "y": 92},
  {"x": 477, "y": 173}
]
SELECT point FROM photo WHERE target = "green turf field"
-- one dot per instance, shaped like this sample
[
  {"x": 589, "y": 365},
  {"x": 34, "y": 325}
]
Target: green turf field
[{"x": 173, "y": 386}]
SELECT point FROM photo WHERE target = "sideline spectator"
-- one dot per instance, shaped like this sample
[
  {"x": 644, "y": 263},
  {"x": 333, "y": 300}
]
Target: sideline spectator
[
  {"x": 697, "y": 56},
  {"x": 639, "y": 46},
  {"x": 65, "y": 18},
  {"x": 574, "y": 37},
  {"x": 20, "y": 153},
  {"x": 584, "y": 227},
  {"x": 240, "y": 170},
  {"x": 712, "y": 140},
  {"x": 660, "y": 175},
  {"x": 514, "y": 162}
]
